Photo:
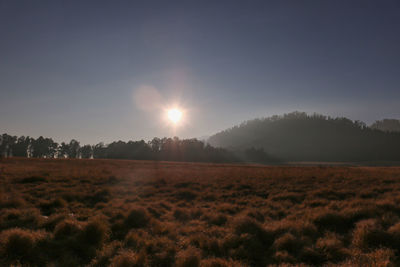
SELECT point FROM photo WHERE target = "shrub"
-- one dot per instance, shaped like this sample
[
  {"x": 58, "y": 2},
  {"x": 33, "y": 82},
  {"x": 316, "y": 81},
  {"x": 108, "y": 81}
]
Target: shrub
[
  {"x": 369, "y": 234},
  {"x": 13, "y": 202},
  {"x": 394, "y": 232},
  {"x": 284, "y": 256},
  {"x": 155, "y": 212},
  {"x": 388, "y": 219},
  {"x": 196, "y": 213},
  {"x": 332, "y": 221},
  {"x": 79, "y": 239},
  {"x": 73, "y": 196},
  {"x": 382, "y": 257},
  {"x": 332, "y": 248},
  {"x": 11, "y": 214},
  {"x": 126, "y": 258},
  {"x": 188, "y": 258},
  {"x": 250, "y": 226},
  {"x": 298, "y": 228},
  {"x": 22, "y": 218},
  {"x": 228, "y": 208},
  {"x": 21, "y": 245},
  {"x": 312, "y": 256},
  {"x": 50, "y": 222},
  {"x": 119, "y": 229},
  {"x": 181, "y": 215},
  {"x": 106, "y": 254},
  {"x": 218, "y": 220},
  {"x": 159, "y": 251},
  {"x": 49, "y": 207},
  {"x": 95, "y": 232},
  {"x": 209, "y": 197},
  {"x": 67, "y": 228},
  {"x": 137, "y": 218},
  {"x": 256, "y": 215},
  {"x": 210, "y": 246},
  {"x": 361, "y": 212},
  {"x": 137, "y": 240},
  {"x": 289, "y": 243},
  {"x": 251, "y": 242},
  {"x": 102, "y": 195}
]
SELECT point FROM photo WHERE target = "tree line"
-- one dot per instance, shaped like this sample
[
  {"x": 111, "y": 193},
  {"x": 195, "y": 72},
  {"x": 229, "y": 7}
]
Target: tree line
[
  {"x": 295, "y": 136},
  {"x": 169, "y": 149}
]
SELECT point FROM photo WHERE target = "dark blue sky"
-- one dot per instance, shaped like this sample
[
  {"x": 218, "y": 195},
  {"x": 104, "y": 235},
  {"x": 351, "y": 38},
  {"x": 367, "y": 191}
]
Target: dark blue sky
[{"x": 72, "y": 69}]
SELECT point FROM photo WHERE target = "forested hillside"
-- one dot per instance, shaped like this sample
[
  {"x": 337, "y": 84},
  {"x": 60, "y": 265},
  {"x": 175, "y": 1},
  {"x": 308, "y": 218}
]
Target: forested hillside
[{"x": 300, "y": 137}]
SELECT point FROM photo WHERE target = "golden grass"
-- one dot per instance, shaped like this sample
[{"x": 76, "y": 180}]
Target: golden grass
[{"x": 142, "y": 213}]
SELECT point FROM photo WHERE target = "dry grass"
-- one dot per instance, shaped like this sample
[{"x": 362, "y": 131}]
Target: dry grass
[{"x": 142, "y": 213}]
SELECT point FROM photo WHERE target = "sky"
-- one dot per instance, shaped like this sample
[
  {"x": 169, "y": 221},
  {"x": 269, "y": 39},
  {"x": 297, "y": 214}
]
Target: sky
[{"x": 108, "y": 70}]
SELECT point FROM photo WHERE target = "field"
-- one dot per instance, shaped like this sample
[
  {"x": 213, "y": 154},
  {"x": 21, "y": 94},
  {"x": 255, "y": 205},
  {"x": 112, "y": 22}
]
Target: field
[{"x": 143, "y": 213}]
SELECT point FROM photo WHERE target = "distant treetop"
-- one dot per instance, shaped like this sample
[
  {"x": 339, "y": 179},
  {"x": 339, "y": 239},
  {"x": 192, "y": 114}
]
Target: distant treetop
[{"x": 387, "y": 125}]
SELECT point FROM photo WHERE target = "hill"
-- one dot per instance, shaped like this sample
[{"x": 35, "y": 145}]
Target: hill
[{"x": 298, "y": 136}]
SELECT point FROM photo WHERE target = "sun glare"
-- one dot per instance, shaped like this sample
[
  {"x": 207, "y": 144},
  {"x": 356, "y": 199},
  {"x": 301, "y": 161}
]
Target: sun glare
[{"x": 174, "y": 115}]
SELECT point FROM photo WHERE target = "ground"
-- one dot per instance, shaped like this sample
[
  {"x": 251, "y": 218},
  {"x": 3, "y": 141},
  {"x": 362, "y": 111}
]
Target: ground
[{"x": 143, "y": 213}]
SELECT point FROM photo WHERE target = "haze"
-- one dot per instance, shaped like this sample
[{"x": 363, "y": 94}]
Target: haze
[{"x": 72, "y": 69}]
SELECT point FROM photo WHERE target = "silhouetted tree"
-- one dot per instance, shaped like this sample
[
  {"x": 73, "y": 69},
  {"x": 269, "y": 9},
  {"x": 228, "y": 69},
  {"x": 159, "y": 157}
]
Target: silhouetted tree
[
  {"x": 387, "y": 125},
  {"x": 86, "y": 151},
  {"x": 155, "y": 145},
  {"x": 43, "y": 147},
  {"x": 21, "y": 146},
  {"x": 73, "y": 149},
  {"x": 99, "y": 151},
  {"x": 6, "y": 144},
  {"x": 63, "y": 150}
]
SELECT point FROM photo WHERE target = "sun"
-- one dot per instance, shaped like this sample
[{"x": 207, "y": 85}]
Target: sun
[{"x": 174, "y": 115}]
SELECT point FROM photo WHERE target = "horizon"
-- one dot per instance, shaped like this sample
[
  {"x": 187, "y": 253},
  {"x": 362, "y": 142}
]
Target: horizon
[
  {"x": 101, "y": 72},
  {"x": 205, "y": 138}
]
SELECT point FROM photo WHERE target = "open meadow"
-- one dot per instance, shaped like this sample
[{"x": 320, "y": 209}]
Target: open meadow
[{"x": 56, "y": 212}]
